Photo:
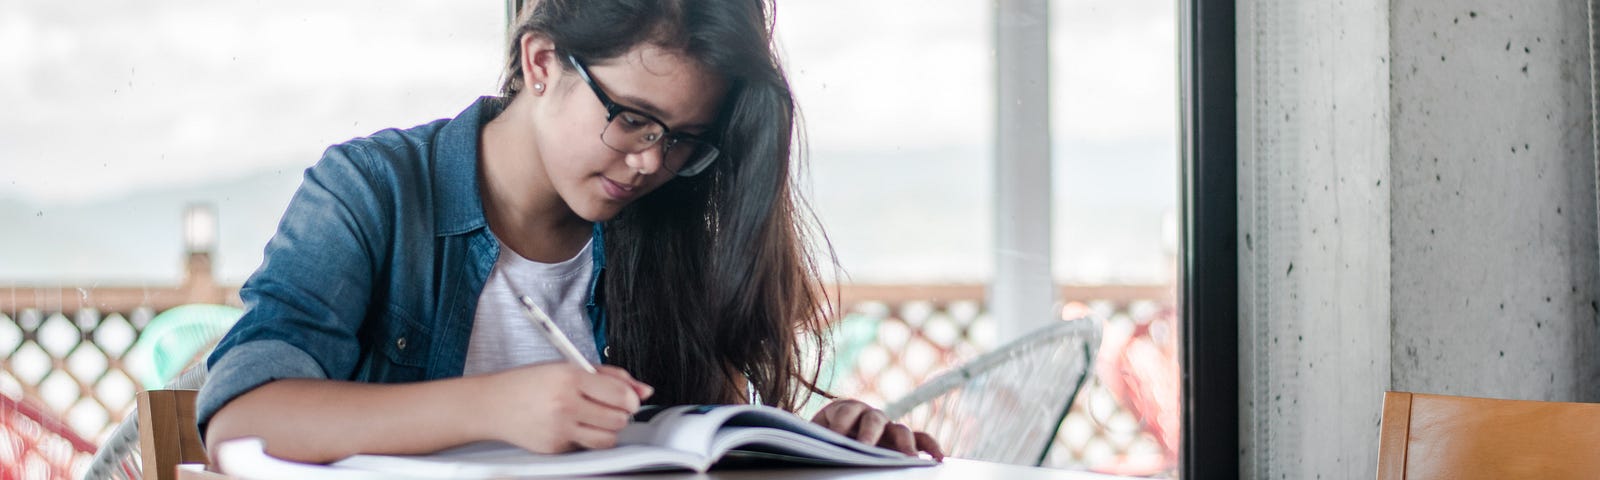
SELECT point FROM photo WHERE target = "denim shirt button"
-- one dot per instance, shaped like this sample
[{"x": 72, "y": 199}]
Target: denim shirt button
[
  {"x": 608, "y": 351},
  {"x": 401, "y": 343}
]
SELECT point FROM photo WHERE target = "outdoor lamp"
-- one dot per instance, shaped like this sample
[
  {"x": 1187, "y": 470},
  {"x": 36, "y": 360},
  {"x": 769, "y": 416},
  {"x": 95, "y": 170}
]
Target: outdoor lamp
[{"x": 200, "y": 228}]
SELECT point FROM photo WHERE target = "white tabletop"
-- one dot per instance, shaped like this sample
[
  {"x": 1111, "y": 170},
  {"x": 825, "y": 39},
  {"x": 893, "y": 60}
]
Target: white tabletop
[{"x": 951, "y": 469}]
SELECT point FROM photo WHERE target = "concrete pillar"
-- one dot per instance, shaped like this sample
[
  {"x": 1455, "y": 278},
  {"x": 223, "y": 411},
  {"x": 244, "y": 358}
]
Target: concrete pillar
[
  {"x": 1023, "y": 293},
  {"x": 1314, "y": 268}
]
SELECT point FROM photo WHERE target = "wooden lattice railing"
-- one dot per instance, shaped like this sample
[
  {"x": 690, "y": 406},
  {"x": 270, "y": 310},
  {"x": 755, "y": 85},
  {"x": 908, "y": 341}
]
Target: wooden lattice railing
[
  {"x": 61, "y": 349},
  {"x": 923, "y": 330}
]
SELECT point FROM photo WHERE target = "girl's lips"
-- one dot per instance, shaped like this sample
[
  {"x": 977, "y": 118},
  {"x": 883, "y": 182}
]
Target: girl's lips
[{"x": 618, "y": 191}]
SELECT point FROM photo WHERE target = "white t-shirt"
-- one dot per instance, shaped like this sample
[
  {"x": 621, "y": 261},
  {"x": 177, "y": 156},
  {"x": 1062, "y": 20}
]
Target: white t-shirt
[{"x": 504, "y": 337}]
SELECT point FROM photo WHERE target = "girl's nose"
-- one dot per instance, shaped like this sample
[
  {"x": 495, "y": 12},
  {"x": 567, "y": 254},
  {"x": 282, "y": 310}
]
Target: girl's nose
[{"x": 646, "y": 162}]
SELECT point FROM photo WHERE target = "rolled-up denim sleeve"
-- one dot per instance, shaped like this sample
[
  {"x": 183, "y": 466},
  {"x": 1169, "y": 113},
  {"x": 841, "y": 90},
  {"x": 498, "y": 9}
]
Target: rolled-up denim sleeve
[
  {"x": 240, "y": 371},
  {"x": 307, "y": 301}
]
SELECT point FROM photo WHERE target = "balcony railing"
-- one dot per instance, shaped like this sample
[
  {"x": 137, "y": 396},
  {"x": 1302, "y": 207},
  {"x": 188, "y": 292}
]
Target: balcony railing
[{"x": 62, "y": 348}]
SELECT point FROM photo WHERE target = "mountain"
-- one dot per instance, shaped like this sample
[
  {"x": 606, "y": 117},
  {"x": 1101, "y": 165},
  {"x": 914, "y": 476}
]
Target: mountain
[
  {"x": 138, "y": 237},
  {"x": 892, "y": 216}
]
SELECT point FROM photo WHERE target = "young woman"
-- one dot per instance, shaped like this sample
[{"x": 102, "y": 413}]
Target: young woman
[{"x": 633, "y": 179}]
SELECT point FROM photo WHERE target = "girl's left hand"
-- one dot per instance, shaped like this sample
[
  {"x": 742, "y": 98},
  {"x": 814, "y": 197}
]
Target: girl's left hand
[{"x": 860, "y": 421}]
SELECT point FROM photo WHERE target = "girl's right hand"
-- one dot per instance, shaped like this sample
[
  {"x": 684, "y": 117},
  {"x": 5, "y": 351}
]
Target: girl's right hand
[{"x": 558, "y": 407}]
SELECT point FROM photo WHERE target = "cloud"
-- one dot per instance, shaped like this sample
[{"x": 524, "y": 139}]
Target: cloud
[
  {"x": 108, "y": 99},
  {"x": 120, "y": 96},
  {"x": 886, "y": 73},
  {"x": 891, "y": 73},
  {"x": 1114, "y": 69}
]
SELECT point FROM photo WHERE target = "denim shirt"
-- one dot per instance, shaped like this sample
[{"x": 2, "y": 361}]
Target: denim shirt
[{"x": 375, "y": 270}]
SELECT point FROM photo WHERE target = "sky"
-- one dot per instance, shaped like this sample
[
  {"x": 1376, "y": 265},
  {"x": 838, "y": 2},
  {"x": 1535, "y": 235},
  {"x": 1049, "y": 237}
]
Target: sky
[{"x": 115, "y": 115}]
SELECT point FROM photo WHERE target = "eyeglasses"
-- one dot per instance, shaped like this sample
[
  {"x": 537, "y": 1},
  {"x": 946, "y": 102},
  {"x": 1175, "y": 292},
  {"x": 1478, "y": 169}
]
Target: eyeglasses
[{"x": 632, "y": 131}]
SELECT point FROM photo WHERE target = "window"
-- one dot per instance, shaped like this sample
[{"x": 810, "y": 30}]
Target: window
[
  {"x": 900, "y": 104},
  {"x": 120, "y": 117}
]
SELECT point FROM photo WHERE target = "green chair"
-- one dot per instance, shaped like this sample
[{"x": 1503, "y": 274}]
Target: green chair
[
  {"x": 849, "y": 337},
  {"x": 174, "y": 339}
]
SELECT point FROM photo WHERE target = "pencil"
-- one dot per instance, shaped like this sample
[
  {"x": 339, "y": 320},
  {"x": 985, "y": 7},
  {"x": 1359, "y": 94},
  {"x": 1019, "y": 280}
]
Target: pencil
[{"x": 554, "y": 335}]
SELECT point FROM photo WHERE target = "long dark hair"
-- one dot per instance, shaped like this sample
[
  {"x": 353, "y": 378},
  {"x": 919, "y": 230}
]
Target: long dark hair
[{"x": 709, "y": 276}]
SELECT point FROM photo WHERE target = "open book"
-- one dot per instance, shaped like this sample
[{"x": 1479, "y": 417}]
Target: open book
[{"x": 690, "y": 437}]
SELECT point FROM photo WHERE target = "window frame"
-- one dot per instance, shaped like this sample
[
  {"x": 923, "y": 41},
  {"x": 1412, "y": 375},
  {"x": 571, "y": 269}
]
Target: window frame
[{"x": 1208, "y": 298}]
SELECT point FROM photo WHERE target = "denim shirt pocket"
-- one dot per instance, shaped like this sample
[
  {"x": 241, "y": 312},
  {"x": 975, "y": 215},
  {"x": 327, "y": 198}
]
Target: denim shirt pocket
[{"x": 405, "y": 345}]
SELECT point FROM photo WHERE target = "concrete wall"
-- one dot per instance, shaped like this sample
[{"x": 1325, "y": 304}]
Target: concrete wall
[
  {"x": 1418, "y": 213},
  {"x": 1494, "y": 201}
]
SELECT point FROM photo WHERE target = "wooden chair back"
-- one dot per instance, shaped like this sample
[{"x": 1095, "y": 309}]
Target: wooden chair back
[
  {"x": 167, "y": 432},
  {"x": 1437, "y": 436}
]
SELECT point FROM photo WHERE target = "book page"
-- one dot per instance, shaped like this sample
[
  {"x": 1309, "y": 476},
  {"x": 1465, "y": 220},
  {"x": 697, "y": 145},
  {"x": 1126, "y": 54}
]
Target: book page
[
  {"x": 714, "y": 430},
  {"x": 781, "y": 420},
  {"x": 689, "y": 437},
  {"x": 689, "y": 428},
  {"x": 793, "y": 447}
]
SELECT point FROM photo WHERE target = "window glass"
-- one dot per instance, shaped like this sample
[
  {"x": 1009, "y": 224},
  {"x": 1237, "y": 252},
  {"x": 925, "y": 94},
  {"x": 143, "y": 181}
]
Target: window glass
[{"x": 120, "y": 117}]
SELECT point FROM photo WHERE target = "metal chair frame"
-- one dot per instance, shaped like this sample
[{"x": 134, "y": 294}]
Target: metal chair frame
[{"x": 976, "y": 369}]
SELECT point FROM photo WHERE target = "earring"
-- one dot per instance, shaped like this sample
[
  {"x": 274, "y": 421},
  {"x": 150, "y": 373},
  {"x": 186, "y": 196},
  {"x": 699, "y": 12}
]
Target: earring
[{"x": 538, "y": 87}]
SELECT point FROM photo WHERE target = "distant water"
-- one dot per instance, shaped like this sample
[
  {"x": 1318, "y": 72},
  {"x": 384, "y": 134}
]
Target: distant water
[
  {"x": 927, "y": 215},
  {"x": 893, "y": 216}
]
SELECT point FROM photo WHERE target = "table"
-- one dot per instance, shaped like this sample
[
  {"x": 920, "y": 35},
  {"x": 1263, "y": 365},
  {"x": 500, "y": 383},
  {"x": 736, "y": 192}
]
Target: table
[{"x": 952, "y": 469}]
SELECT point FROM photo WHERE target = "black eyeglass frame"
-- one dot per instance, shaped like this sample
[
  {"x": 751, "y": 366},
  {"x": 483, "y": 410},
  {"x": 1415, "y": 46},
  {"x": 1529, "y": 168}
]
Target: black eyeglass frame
[{"x": 668, "y": 138}]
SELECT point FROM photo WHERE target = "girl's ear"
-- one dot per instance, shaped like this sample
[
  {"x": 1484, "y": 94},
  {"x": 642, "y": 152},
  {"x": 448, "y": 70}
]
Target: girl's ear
[{"x": 541, "y": 65}]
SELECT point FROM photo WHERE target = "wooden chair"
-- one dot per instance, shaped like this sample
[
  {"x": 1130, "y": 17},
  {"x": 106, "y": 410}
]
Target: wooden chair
[
  {"x": 157, "y": 436},
  {"x": 1436, "y": 436},
  {"x": 167, "y": 433}
]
